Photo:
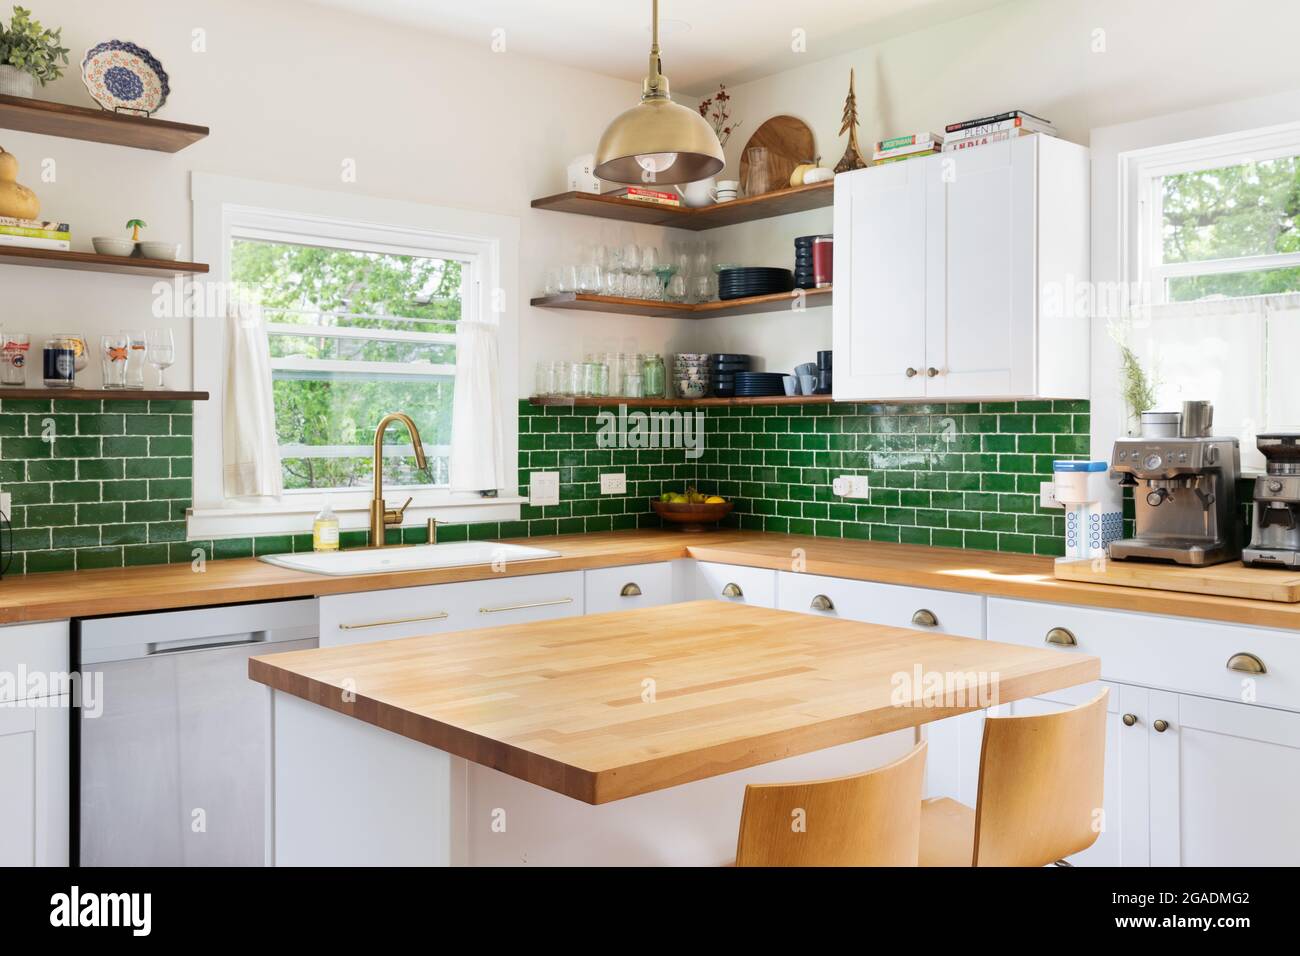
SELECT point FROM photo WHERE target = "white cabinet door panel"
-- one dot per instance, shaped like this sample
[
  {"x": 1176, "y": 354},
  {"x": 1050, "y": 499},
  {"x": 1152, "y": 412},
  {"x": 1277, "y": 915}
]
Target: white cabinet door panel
[
  {"x": 628, "y": 587},
  {"x": 755, "y": 586},
  {"x": 892, "y": 604},
  {"x": 880, "y": 282},
  {"x": 34, "y": 783}
]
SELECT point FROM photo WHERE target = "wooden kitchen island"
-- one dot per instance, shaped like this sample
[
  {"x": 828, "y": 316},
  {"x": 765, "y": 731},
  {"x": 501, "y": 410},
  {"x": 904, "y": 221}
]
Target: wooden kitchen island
[{"x": 621, "y": 738}]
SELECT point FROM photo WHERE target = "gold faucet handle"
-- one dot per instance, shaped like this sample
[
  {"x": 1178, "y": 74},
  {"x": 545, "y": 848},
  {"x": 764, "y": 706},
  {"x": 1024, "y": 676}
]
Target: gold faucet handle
[{"x": 395, "y": 516}]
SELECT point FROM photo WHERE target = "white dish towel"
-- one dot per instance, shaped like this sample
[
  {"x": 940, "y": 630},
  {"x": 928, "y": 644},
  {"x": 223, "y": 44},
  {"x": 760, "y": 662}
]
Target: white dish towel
[
  {"x": 251, "y": 450},
  {"x": 477, "y": 462}
]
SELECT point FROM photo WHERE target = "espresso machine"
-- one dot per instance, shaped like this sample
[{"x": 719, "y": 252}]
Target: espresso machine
[
  {"x": 1184, "y": 484},
  {"x": 1275, "y": 529}
]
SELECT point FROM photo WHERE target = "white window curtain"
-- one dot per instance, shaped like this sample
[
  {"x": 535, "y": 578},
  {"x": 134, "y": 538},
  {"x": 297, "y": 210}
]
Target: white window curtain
[
  {"x": 477, "y": 460},
  {"x": 1237, "y": 353},
  {"x": 251, "y": 449}
]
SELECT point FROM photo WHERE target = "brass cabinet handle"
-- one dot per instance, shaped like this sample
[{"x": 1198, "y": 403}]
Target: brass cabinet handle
[
  {"x": 524, "y": 607},
  {"x": 631, "y": 589},
  {"x": 822, "y": 603},
  {"x": 732, "y": 590},
  {"x": 1161, "y": 726},
  {"x": 911, "y": 372},
  {"x": 931, "y": 372},
  {"x": 925, "y": 618},
  {"x": 1129, "y": 719},
  {"x": 1246, "y": 663},
  {"x": 1061, "y": 637},
  {"x": 440, "y": 616}
]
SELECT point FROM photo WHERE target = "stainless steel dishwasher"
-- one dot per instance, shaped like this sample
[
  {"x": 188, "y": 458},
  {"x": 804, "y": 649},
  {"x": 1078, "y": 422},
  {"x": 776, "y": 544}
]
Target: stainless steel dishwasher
[{"x": 169, "y": 759}]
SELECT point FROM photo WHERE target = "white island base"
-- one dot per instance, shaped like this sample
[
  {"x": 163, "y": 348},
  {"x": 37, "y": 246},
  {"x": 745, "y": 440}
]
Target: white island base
[{"x": 343, "y": 792}]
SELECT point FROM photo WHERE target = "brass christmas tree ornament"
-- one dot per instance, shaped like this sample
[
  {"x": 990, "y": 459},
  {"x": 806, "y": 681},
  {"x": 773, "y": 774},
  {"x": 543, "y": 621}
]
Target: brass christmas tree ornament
[{"x": 852, "y": 155}]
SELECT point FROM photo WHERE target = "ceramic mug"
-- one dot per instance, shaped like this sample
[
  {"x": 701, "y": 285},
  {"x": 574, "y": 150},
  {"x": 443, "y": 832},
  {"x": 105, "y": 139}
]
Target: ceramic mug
[
  {"x": 728, "y": 189},
  {"x": 702, "y": 192}
]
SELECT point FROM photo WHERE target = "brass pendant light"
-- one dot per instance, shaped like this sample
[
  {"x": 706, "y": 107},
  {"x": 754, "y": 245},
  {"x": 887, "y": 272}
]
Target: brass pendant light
[{"x": 658, "y": 141}]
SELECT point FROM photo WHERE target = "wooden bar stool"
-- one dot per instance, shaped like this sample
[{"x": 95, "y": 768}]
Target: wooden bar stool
[
  {"x": 868, "y": 819},
  {"x": 1039, "y": 791}
]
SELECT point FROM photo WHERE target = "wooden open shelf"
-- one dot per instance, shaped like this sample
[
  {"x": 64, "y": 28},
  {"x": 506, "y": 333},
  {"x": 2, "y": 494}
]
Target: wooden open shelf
[
  {"x": 93, "y": 262},
  {"x": 611, "y": 400},
  {"x": 778, "y": 203},
  {"x": 591, "y": 302},
  {"x": 104, "y": 394},
  {"x": 96, "y": 125}
]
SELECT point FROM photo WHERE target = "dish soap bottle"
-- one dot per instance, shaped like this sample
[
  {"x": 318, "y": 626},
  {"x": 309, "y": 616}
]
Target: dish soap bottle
[{"x": 325, "y": 530}]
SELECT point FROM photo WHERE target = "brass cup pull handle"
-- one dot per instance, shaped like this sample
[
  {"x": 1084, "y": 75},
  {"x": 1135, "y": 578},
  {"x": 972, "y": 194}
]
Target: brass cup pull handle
[
  {"x": 1246, "y": 663},
  {"x": 924, "y": 617},
  {"x": 1129, "y": 719},
  {"x": 1161, "y": 726},
  {"x": 732, "y": 590},
  {"x": 822, "y": 603},
  {"x": 631, "y": 589},
  {"x": 1061, "y": 637},
  {"x": 911, "y": 372}
]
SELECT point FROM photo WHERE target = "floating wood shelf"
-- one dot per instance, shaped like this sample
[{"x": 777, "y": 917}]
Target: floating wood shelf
[
  {"x": 778, "y": 203},
  {"x": 777, "y": 302},
  {"x": 612, "y": 400},
  {"x": 93, "y": 262},
  {"x": 96, "y": 125},
  {"x": 104, "y": 394}
]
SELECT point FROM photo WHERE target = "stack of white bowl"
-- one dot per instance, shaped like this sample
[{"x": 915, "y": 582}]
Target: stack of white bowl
[{"x": 691, "y": 374}]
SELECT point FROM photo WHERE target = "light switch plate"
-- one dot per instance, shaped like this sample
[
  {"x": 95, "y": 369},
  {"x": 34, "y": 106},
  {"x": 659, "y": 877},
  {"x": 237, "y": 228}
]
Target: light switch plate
[
  {"x": 851, "y": 486},
  {"x": 6, "y": 503},
  {"x": 544, "y": 488},
  {"x": 1047, "y": 495},
  {"x": 613, "y": 484}
]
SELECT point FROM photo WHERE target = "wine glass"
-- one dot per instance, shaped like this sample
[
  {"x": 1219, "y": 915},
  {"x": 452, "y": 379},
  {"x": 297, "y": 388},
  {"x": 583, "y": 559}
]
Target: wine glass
[{"x": 162, "y": 352}]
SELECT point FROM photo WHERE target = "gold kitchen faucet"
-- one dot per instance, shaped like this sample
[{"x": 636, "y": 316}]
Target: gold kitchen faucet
[{"x": 381, "y": 516}]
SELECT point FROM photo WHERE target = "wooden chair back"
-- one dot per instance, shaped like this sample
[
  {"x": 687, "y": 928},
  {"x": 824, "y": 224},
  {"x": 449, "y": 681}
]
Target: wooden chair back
[
  {"x": 1040, "y": 789},
  {"x": 868, "y": 819}
]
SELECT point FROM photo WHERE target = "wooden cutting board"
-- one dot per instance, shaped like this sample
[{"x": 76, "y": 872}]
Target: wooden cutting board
[
  {"x": 1232, "y": 579},
  {"x": 789, "y": 142}
]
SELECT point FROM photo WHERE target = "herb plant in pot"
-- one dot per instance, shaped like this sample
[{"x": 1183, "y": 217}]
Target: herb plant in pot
[{"x": 29, "y": 53}]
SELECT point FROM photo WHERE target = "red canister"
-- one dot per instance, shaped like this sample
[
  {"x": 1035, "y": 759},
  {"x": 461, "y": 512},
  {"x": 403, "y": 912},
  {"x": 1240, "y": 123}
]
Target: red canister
[{"x": 823, "y": 251}]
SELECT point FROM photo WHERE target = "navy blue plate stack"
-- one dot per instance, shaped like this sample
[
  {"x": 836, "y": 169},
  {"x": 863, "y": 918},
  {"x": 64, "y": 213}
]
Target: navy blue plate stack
[
  {"x": 758, "y": 384},
  {"x": 743, "y": 282},
  {"x": 725, "y": 367}
]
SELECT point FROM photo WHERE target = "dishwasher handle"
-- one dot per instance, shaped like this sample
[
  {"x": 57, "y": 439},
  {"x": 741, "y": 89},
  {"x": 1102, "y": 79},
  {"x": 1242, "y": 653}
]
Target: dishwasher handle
[{"x": 154, "y": 648}]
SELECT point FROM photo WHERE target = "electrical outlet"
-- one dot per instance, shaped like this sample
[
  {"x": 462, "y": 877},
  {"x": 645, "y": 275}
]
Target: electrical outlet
[
  {"x": 544, "y": 488},
  {"x": 615, "y": 484},
  {"x": 851, "y": 486},
  {"x": 6, "y": 503},
  {"x": 1047, "y": 495}
]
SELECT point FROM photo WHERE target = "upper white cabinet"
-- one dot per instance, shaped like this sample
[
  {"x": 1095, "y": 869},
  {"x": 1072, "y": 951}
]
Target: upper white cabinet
[{"x": 958, "y": 276}]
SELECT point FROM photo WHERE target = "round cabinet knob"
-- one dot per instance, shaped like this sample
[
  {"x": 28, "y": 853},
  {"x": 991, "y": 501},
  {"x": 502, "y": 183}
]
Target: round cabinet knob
[
  {"x": 911, "y": 372},
  {"x": 1129, "y": 719},
  {"x": 1161, "y": 726},
  {"x": 931, "y": 372},
  {"x": 924, "y": 618},
  {"x": 1246, "y": 663},
  {"x": 1061, "y": 637},
  {"x": 822, "y": 603},
  {"x": 732, "y": 590},
  {"x": 631, "y": 589}
]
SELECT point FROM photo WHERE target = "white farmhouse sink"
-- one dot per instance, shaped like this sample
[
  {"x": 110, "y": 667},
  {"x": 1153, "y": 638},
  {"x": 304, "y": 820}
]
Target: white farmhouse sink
[{"x": 456, "y": 554}]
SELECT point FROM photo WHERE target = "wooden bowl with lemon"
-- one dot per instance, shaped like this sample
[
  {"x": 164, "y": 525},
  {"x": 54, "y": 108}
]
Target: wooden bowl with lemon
[{"x": 691, "y": 510}]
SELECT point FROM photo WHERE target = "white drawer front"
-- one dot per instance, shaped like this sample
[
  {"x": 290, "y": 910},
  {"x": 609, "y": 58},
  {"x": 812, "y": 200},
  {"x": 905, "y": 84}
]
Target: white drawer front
[
  {"x": 31, "y": 656},
  {"x": 722, "y": 582},
  {"x": 1177, "y": 654},
  {"x": 952, "y": 613},
  {"x": 441, "y": 608},
  {"x": 628, "y": 587}
]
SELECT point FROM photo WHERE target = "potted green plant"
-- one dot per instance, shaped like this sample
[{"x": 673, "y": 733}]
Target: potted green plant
[{"x": 29, "y": 53}]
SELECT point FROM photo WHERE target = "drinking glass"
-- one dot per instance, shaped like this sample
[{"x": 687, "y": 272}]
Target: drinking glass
[
  {"x": 162, "y": 352},
  {"x": 701, "y": 288},
  {"x": 13, "y": 359},
  {"x": 135, "y": 357},
  {"x": 545, "y": 380},
  {"x": 649, "y": 260},
  {"x": 560, "y": 372},
  {"x": 114, "y": 350},
  {"x": 676, "y": 289}
]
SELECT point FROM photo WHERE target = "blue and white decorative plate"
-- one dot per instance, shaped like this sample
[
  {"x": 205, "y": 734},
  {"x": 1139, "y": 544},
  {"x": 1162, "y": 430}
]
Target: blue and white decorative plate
[{"x": 124, "y": 77}]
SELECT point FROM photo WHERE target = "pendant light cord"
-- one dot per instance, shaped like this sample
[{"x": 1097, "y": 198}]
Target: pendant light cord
[{"x": 655, "y": 85}]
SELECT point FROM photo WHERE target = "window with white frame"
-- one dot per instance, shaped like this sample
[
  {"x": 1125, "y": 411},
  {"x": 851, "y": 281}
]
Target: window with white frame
[{"x": 1215, "y": 233}]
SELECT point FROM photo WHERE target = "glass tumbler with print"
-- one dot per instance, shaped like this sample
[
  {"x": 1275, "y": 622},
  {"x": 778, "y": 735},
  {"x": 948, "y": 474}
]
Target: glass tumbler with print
[
  {"x": 13, "y": 358},
  {"x": 135, "y": 362},
  {"x": 114, "y": 351}
]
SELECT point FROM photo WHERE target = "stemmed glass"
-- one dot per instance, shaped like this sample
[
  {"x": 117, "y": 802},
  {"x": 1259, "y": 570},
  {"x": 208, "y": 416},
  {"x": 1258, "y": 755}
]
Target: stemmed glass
[{"x": 162, "y": 352}]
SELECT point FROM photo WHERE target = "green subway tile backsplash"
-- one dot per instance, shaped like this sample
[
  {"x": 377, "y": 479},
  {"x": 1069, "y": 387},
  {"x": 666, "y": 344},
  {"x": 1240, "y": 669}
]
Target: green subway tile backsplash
[{"x": 107, "y": 484}]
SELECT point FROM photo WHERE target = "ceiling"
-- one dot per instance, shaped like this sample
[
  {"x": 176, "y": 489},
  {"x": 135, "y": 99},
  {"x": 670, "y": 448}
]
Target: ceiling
[{"x": 704, "y": 41}]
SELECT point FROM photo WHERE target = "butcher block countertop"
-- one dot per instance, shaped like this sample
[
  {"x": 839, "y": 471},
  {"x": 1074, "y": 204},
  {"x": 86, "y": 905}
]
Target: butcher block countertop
[
  {"x": 67, "y": 594},
  {"x": 614, "y": 705}
]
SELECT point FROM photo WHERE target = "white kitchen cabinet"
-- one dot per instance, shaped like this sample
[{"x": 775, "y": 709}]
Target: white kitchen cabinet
[
  {"x": 956, "y": 275},
  {"x": 944, "y": 612},
  {"x": 34, "y": 756},
  {"x": 629, "y": 586},
  {"x": 442, "y": 608},
  {"x": 732, "y": 583}
]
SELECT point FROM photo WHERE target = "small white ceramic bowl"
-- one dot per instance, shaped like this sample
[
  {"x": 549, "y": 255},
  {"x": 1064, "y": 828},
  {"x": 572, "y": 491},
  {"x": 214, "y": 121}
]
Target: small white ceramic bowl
[
  {"x": 112, "y": 246},
  {"x": 160, "y": 250}
]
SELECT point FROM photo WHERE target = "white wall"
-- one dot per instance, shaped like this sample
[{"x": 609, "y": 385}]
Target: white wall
[
  {"x": 1159, "y": 56},
  {"x": 290, "y": 90}
]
